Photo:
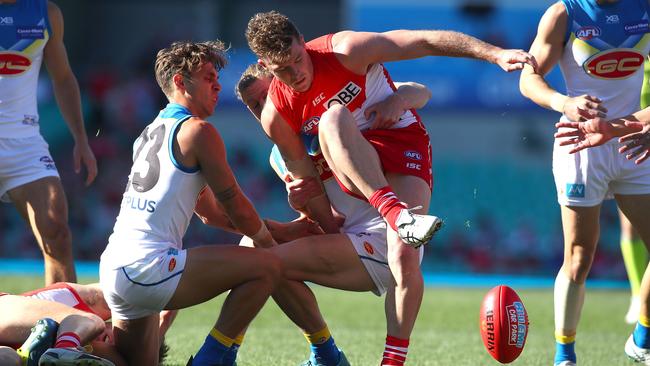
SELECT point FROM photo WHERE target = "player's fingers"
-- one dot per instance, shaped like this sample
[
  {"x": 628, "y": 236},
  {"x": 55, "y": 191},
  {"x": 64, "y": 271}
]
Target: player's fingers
[
  {"x": 643, "y": 157},
  {"x": 592, "y": 98},
  {"x": 370, "y": 113},
  {"x": 568, "y": 133},
  {"x": 634, "y": 124},
  {"x": 565, "y": 124},
  {"x": 567, "y": 142},
  {"x": 91, "y": 168}
]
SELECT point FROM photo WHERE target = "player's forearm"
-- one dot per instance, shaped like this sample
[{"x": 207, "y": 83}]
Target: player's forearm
[
  {"x": 319, "y": 210},
  {"x": 68, "y": 98},
  {"x": 456, "y": 44},
  {"x": 534, "y": 87}
]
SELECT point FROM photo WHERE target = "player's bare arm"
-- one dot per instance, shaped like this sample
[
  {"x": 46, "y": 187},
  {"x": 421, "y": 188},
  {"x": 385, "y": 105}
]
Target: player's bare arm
[
  {"x": 547, "y": 50},
  {"x": 358, "y": 50},
  {"x": 298, "y": 163},
  {"x": 210, "y": 212},
  {"x": 66, "y": 91},
  {"x": 409, "y": 95},
  {"x": 199, "y": 144}
]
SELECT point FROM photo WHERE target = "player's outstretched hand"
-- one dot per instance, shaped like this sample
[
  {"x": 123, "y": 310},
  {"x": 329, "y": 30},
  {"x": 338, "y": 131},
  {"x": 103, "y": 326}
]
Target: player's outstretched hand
[
  {"x": 284, "y": 232},
  {"x": 81, "y": 153},
  {"x": 583, "y": 135},
  {"x": 386, "y": 113},
  {"x": 584, "y": 107},
  {"x": 637, "y": 144},
  {"x": 512, "y": 60}
]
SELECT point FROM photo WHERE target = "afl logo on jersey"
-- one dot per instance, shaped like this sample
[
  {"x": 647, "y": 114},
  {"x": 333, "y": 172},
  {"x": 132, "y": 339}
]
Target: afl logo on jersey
[
  {"x": 310, "y": 126},
  {"x": 13, "y": 64},
  {"x": 587, "y": 33},
  {"x": 614, "y": 64}
]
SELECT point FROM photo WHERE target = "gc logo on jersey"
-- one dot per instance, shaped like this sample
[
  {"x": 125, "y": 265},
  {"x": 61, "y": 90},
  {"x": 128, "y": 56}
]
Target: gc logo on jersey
[
  {"x": 617, "y": 63},
  {"x": 587, "y": 33},
  {"x": 13, "y": 63}
]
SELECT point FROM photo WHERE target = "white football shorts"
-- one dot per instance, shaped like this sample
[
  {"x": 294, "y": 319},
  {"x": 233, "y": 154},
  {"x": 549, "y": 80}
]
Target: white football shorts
[
  {"x": 590, "y": 176},
  {"x": 23, "y": 160},
  {"x": 145, "y": 287},
  {"x": 372, "y": 247}
]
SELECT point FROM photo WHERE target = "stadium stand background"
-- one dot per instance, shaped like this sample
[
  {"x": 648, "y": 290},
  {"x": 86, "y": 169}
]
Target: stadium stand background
[{"x": 491, "y": 147}]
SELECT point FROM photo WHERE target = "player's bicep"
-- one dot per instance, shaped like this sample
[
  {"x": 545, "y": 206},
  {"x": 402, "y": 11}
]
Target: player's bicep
[
  {"x": 365, "y": 48},
  {"x": 549, "y": 41}
]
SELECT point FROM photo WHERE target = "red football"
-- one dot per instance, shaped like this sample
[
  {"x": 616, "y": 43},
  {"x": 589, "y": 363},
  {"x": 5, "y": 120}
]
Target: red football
[{"x": 503, "y": 323}]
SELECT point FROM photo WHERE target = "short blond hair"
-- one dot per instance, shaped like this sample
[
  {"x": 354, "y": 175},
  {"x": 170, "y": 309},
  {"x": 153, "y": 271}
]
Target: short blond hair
[
  {"x": 270, "y": 35},
  {"x": 252, "y": 73},
  {"x": 185, "y": 58}
]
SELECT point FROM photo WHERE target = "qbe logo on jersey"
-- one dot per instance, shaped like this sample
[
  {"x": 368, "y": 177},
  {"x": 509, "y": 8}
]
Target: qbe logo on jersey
[
  {"x": 13, "y": 64},
  {"x": 618, "y": 63},
  {"x": 345, "y": 95}
]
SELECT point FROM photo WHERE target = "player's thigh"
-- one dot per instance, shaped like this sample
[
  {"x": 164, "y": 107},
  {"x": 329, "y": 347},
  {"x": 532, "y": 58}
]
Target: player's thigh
[
  {"x": 637, "y": 209},
  {"x": 627, "y": 230},
  {"x": 329, "y": 260},
  {"x": 412, "y": 190},
  {"x": 212, "y": 270},
  {"x": 137, "y": 340},
  {"x": 42, "y": 201},
  {"x": 581, "y": 229},
  {"x": 19, "y": 314}
]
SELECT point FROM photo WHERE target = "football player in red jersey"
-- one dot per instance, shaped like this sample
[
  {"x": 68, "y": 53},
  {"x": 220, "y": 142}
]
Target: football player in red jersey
[
  {"x": 600, "y": 47},
  {"x": 323, "y": 88}
]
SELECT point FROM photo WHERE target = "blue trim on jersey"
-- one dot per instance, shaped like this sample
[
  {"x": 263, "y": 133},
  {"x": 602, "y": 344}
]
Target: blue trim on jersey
[
  {"x": 610, "y": 19},
  {"x": 175, "y": 111},
  {"x": 279, "y": 162},
  {"x": 172, "y": 136},
  {"x": 150, "y": 284},
  {"x": 569, "y": 21},
  {"x": 24, "y": 13},
  {"x": 373, "y": 259}
]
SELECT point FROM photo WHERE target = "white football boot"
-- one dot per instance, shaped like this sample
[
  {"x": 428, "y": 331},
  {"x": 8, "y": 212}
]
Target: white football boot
[
  {"x": 71, "y": 357},
  {"x": 636, "y": 353},
  {"x": 414, "y": 229}
]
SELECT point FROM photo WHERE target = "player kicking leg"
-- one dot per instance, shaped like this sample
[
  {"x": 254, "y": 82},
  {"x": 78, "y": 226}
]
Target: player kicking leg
[{"x": 252, "y": 89}]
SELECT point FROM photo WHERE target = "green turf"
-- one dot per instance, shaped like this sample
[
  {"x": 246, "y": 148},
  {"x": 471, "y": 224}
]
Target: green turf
[{"x": 446, "y": 332}]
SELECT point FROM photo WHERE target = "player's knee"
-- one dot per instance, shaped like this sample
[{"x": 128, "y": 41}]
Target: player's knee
[
  {"x": 9, "y": 357},
  {"x": 272, "y": 269},
  {"x": 331, "y": 121},
  {"x": 579, "y": 265}
]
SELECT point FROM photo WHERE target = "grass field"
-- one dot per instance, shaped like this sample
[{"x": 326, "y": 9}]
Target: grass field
[{"x": 446, "y": 333}]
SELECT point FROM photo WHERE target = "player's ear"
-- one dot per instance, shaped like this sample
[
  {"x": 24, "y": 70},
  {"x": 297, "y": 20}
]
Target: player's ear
[
  {"x": 177, "y": 79},
  {"x": 302, "y": 40},
  {"x": 262, "y": 63}
]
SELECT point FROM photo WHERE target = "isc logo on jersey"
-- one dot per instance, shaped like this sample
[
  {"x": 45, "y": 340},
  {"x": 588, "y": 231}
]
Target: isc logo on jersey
[
  {"x": 617, "y": 63},
  {"x": 13, "y": 63}
]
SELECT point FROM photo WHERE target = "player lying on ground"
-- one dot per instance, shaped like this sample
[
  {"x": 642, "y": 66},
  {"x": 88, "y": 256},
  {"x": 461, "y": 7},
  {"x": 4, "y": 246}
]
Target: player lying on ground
[{"x": 61, "y": 318}]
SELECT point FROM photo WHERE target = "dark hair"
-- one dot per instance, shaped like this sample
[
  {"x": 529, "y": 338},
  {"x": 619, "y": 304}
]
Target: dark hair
[
  {"x": 270, "y": 35},
  {"x": 185, "y": 58}
]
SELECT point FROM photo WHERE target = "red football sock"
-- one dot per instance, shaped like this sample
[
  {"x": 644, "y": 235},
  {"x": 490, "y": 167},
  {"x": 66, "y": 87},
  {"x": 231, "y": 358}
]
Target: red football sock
[
  {"x": 67, "y": 340},
  {"x": 386, "y": 202},
  {"x": 395, "y": 351}
]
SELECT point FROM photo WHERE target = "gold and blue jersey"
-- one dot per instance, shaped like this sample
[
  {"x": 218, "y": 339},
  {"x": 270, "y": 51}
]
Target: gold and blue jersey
[
  {"x": 24, "y": 31},
  {"x": 606, "y": 46}
]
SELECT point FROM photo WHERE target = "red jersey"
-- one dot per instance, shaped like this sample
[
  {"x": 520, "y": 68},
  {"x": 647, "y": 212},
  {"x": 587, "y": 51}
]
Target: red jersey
[{"x": 333, "y": 84}]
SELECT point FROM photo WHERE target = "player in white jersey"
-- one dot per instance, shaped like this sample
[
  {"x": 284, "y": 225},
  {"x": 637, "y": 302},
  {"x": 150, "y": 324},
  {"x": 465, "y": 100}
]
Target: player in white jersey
[
  {"x": 600, "y": 46},
  {"x": 355, "y": 259},
  {"x": 144, "y": 268},
  {"x": 31, "y": 33}
]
